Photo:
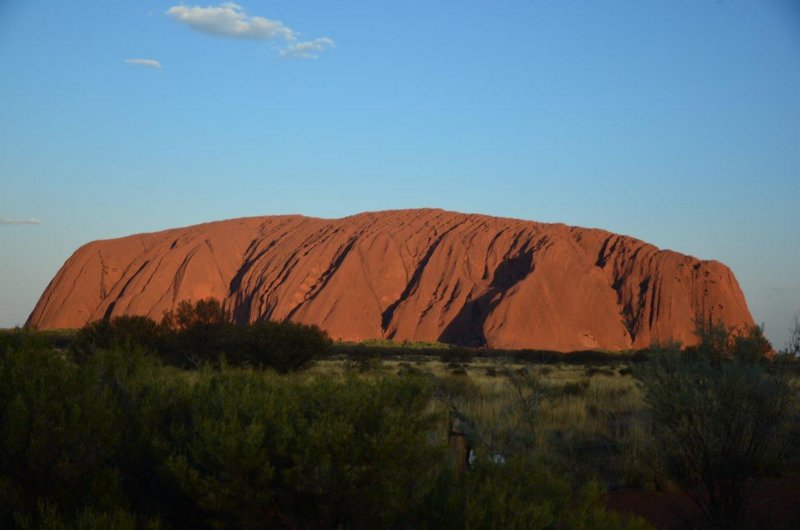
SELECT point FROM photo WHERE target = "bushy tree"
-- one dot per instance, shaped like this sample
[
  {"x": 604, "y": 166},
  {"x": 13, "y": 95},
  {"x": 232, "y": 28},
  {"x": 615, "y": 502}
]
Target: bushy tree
[
  {"x": 203, "y": 332},
  {"x": 59, "y": 432},
  {"x": 518, "y": 495},
  {"x": 194, "y": 331},
  {"x": 718, "y": 342},
  {"x": 720, "y": 418},
  {"x": 48, "y": 517},
  {"x": 118, "y": 332},
  {"x": 266, "y": 451},
  {"x": 207, "y": 313},
  {"x": 283, "y": 346}
]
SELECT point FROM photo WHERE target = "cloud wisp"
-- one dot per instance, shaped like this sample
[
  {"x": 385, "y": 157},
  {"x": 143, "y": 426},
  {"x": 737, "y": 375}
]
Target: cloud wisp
[
  {"x": 24, "y": 221},
  {"x": 231, "y": 20},
  {"x": 150, "y": 63},
  {"x": 308, "y": 49}
]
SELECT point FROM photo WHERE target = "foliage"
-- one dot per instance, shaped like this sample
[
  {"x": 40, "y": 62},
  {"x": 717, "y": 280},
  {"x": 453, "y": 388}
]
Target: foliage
[
  {"x": 282, "y": 346},
  {"x": 122, "y": 439},
  {"x": 205, "y": 314},
  {"x": 119, "y": 441},
  {"x": 117, "y": 332},
  {"x": 47, "y": 517},
  {"x": 21, "y": 338},
  {"x": 62, "y": 432},
  {"x": 718, "y": 342},
  {"x": 263, "y": 451},
  {"x": 202, "y": 332},
  {"x": 720, "y": 418},
  {"x": 194, "y": 332},
  {"x": 520, "y": 494}
]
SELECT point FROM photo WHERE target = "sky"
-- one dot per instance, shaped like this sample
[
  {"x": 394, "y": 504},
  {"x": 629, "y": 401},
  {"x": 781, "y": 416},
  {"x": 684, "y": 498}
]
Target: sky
[{"x": 673, "y": 121}]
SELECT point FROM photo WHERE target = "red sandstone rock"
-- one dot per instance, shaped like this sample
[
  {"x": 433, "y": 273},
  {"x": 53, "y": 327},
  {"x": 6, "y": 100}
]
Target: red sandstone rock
[{"x": 426, "y": 275}]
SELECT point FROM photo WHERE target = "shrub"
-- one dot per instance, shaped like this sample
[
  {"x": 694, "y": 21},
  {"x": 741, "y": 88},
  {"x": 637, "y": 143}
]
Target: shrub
[
  {"x": 596, "y": 370},
  {"x": 363, "y": 360},
  {"x": 572, "y": 388},
  {"x": 520, "y": 494},
  {"x": 270, "y": 452},
  {"x": 202, "y": 332},
  {"x": 194, "y": 332},
  {"x": 407, "y": 369},
  {"x": 48, "y": 518},
  {"x": 59, "y": 431},
  {"x": 283, "y": 346},
  {"x": 457, "y": 355},
  {"x": 207, "y": 313},
  {"x": 719, "y": 342},
  {"x": 454, "y": 387},
  {"x": 720, "y": 418},
  {"x": 20, "y": 338},
  {"x": 120, "y": 331}
]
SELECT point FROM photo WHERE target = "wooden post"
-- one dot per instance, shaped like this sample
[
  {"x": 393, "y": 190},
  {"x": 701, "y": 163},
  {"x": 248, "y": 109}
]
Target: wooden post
[{"x": 458, "y": 426}]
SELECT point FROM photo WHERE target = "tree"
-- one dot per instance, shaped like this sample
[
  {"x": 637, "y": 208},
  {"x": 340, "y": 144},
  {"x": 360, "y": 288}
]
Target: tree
[
  {"x": 720, "y": 417},
  {"x": 195, "y": 331},
  {"x": 283, "y": 346},
  {"x": 119, "y": 331},
  {"x": 203, "y": 314}
]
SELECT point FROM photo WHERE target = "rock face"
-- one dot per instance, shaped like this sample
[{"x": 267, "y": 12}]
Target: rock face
[{"x": 426, "y": 275}]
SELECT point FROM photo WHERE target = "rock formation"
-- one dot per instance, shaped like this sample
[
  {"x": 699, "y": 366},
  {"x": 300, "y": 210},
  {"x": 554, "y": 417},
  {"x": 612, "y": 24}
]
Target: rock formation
[{"x": 427, "y": 275}]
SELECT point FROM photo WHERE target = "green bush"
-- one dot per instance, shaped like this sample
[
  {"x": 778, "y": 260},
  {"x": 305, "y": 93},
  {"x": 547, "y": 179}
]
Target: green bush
[
  {"x": 521, "y": 494},
  {"x": 59, "y": 431},
  {"x": 194, "y": 333},
  {"x": 20, "y": 338},
  {"x": 283, "y": 346},
  {"x": 202, "y": 333},
  {"x": 118, "y": 440},
  {"x": 47, "y": 517},
  {"x": 117, "y": 332},
  {"x": 260, "y": 452},
  {"x": 720, "y": 418}
]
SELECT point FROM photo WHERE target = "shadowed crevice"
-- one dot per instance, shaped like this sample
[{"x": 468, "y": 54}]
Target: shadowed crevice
[
  {"x": 467, "y": 328},
  {"x": 388, "y": 313},
  {"x": 113, "y": 304}
]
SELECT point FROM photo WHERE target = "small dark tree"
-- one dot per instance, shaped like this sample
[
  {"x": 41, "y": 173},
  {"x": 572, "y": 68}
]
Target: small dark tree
[
  {"x": 121, "y": 331},
  {"x": 203, "y": 314},
  {"x": 719, "y": 342},
  {"x": 720, "y": 418},
  {"x": 195, "y": 331},
  {"x": 282, "y": 346}
]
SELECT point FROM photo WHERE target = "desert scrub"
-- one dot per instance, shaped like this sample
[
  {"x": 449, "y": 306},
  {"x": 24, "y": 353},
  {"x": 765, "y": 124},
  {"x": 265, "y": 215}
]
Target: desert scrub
[
  {"x": 720, "y": 417},
  {"x": 521, "y": 494}
]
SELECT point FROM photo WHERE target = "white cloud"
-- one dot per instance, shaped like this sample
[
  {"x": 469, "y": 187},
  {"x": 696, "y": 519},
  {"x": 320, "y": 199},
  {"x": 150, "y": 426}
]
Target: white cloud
[
  {"x": 308, "y": 49},
  {"x": 150, "y": 63},
  {"x": 231, "y": 20},
  {"x": 26, "y": 221}
]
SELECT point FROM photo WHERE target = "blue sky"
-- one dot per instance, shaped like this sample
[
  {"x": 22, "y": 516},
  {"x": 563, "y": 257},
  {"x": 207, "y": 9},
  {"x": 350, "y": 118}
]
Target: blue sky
[{"x": 677, "y": 122}]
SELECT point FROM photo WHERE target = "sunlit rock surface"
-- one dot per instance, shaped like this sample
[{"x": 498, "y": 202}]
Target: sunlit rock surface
[{"x": 428, "y": 275}]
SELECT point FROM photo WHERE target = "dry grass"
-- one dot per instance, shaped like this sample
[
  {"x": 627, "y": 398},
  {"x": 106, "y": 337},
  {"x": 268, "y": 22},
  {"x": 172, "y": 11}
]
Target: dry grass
[{"x": 589, "y": 419}]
